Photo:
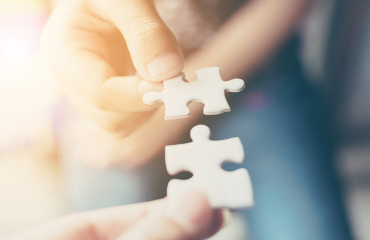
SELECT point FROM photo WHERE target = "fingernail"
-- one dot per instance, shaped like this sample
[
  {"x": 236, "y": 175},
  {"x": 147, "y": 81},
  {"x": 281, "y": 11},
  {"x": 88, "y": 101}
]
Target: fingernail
[
  {"x": 188, "y": 210},
  {"x": 163, "y": 64}
]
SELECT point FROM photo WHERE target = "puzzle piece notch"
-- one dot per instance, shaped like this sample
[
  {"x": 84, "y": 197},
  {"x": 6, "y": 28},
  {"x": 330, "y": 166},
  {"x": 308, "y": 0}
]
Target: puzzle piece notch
[
  {"x": 204, "y": 158},
  {"x": 213, "y": 74},
  {"x": 209, "y": 89}
]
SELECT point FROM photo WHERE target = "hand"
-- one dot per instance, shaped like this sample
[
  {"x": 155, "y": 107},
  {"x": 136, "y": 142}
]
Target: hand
[
  {"x": 245, "y": 41},
  {"x": 189, "y": 218},
  {"x": 100, "y": 51}
]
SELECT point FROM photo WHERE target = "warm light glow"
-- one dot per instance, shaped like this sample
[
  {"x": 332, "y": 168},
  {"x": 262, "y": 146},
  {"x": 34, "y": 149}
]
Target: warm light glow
[
  {"x": 22, "y": 7},
  {"x": 15, "y": 48},
  {"x": 21, "y": 22}
]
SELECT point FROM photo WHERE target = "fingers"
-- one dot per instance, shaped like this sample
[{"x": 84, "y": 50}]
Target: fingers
[
  {"x": 90, "y": 76},
  {"x": 92, "y": 61},
  {"x": 87, "y": 53},
  {"x": 121, "y": 123},
  {"x": 89, "y": 57},
  {"x": 99, "y": 224},
  {"x": 190, "y": 217},
  {"x": 154, "y": 50}
]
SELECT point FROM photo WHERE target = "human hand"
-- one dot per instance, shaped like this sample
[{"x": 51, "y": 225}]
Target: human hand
[
  {"x": 239, "y": 46},
  {"x": 190, "y": 217},
  {"x": 100, "y": 51}
]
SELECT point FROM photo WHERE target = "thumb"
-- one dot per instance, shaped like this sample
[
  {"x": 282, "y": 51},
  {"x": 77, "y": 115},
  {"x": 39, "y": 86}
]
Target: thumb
[
  {"x": 154, "y": 49},
  {"x": 188, "y": 217}
]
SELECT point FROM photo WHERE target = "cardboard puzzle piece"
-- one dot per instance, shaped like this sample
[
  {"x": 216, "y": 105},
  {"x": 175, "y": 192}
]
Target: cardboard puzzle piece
[
  {"x": 204, "y": 158},
  {"x": 209, "y": 89}
]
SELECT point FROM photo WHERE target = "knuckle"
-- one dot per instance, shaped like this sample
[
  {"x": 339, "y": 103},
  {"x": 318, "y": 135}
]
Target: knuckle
[
  {"x": 101, "y": 102},
  {"x": 110, "y": 123},
  {"x": 112, "y": 127},
  {"x": 145, "y": 30},
  {"x": 117, "y": 124}
]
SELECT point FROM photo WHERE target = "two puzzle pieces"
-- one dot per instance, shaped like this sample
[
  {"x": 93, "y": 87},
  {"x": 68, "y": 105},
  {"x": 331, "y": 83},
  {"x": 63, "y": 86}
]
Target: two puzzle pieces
[
  {"x": 209, "y": 89},
  {"x": 204, "y": 158}
]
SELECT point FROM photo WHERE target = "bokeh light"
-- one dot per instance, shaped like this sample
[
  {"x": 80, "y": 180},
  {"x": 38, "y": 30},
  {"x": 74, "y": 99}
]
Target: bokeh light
[{"x": 21, "y": 23}]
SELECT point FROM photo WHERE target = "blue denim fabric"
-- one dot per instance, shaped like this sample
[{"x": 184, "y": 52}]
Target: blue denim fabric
[{"x": 287, "y": 153}]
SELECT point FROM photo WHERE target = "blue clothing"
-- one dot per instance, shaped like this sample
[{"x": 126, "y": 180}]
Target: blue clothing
[{"x": 287, "y": 153}]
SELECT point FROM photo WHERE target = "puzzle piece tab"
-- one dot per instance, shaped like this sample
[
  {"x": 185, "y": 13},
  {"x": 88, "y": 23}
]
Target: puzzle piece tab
[
  {"x": 209, "y": 89},
  {"x": 204, "y": 158}
]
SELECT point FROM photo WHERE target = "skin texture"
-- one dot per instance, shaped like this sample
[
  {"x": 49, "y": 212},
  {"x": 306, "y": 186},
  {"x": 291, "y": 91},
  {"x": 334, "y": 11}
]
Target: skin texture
[
  {"x": 100, "y": 51},
  {"x": 188, "y": 218}
]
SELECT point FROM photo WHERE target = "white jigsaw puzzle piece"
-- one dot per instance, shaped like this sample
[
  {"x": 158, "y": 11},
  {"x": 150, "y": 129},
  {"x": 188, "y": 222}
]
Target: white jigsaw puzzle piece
[
  {"x": 204, "y": 158},
  {"x": 209, "y": 89}
]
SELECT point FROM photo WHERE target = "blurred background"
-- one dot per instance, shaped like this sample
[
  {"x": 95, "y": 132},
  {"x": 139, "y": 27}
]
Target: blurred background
[
  {"x": 28, "y": 167},
  {"x": 336, "y": 53}
]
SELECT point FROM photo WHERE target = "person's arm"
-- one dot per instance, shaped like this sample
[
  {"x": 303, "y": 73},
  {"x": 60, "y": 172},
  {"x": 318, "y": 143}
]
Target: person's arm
[
  {"x": 248, "y": 38},
  {"x": 190, "y": 217},
  {"x": 244, "y": 42}
]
